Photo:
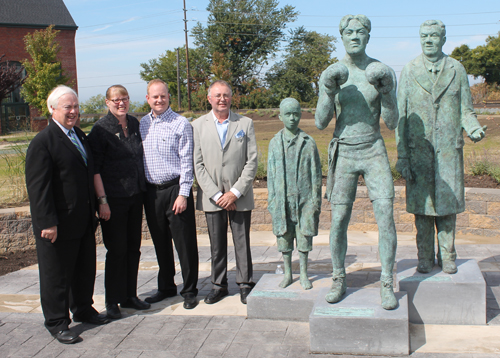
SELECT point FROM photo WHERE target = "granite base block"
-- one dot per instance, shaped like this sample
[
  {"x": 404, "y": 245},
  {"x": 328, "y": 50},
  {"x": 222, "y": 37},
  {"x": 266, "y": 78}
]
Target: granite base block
[
  {"x": 440, "y": 298},
  {"x": 269, "y": 301},
  {"x": 359, "y": 325}
]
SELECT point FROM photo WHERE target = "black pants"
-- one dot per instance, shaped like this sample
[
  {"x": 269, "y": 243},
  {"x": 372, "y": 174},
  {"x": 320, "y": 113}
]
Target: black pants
[
  {"x": 239, "y": 221},
  {"x": 67, "y": 275},
  {"x": 122, "y": 237},
  {"x": 164, "y": 226}
]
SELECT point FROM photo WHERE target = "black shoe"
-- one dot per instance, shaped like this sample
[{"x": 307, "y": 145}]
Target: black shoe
[
  {"x": 135, "y": 303},
  {"x": 216, "y": 295},
  {"x": 190, "y": 301},
  {"x": 97, "y": 319},
  {"x": 160, "y": 296},
  {"x": 244, "y": 292},
  {"x": 113, "y": 311},
  {"x": 66, "y": 336}
]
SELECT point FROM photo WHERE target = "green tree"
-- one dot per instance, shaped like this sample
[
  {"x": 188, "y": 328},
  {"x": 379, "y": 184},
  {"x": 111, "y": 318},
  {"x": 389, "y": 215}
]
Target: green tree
[
  {"x": 44, "y": 70},
  {"x": 95, "y": 104},
  {"x": 247, "y": 32},
  {"x": 481, "y": 61},
  {"x": 306, "y": 56},
  {"x": 165, "y": 68},
  {"x": 138, "y": 107}
]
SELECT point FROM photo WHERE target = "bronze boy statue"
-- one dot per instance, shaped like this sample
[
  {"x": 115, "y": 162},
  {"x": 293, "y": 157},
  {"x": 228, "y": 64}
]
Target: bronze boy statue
[{"x": 294, "y": 185}]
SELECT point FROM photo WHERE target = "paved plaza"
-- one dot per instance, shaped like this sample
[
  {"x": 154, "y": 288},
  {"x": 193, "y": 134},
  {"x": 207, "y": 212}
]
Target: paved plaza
[{"x": 222, "y": 329}]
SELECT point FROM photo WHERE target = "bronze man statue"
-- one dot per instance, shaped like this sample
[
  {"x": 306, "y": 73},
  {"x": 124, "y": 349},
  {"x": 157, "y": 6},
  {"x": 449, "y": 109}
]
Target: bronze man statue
[
  {"x": 435, "y": 106},
  {"x": 359, "y": 90}
]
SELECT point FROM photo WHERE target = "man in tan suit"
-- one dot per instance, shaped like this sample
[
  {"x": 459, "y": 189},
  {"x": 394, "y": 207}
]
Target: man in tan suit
[{"x": 225, "y": 164}]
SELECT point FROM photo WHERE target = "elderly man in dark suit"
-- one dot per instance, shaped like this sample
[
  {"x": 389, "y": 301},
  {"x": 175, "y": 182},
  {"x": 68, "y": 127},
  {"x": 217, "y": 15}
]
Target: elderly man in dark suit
[
  {"x": 59, "y": 179},
  {"x": 435, "y": 107}
]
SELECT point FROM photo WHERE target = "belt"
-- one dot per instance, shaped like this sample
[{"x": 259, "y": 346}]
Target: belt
[
  {"x": 165, "y": 185},
  {"x": 332, "y": 150}
]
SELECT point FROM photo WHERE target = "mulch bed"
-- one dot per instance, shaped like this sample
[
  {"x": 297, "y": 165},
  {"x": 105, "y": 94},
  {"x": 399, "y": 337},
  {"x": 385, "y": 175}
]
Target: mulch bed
[{"x": 13, "y": 261}]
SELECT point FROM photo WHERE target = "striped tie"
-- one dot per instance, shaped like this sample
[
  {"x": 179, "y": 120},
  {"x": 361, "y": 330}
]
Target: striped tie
[{"x": 72, "y": 136}]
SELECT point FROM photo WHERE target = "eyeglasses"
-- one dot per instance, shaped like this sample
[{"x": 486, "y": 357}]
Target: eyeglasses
[
  {"x": 118, "y": 100},
  {"x": 221, "y": 96}
]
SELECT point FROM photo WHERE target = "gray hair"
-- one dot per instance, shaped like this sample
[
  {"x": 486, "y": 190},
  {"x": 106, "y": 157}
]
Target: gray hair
[
  {"x": 289, "y": 100},
  {"x": 57, "y": 93},
  {"x": 365, "y": 21},
  {"x": 221, "y": 82},
  {"x": 438, "y": 23}
]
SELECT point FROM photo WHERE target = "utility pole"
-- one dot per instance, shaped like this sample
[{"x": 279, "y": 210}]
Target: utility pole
[
  {"x": 178, "y": 81},
  {"x": 187, "y": 58}
]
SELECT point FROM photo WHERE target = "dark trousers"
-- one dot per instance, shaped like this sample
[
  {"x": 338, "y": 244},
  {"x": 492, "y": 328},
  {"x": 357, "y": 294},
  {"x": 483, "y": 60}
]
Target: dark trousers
[
  {"x": 426, "y": 236},
  {"x": 164, "y": 226},
  {"x": 122, "y": 237},
  {"x": 239, "y": 221},
  {"x": 67, "y": 275}
]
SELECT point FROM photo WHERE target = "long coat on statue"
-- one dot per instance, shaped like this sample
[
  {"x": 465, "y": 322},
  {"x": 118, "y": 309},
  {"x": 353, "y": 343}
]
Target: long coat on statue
[
  {"x": 433, "y": 116},
  {"x": 308, "y": 181}
]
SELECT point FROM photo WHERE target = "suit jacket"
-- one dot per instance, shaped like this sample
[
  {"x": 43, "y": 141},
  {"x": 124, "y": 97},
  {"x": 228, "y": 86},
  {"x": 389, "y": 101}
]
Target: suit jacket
[
  {"x": 220, "y": 169},
  {"x": 430, "y": 135},
  {"x": 60, "y": 185},
  {"x": 309, "y": 182}
]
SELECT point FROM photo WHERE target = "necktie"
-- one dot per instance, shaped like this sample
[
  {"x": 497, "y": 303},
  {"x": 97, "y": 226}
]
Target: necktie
[
  {"x": 435, "y": 70},
  {"x": 72, "y": 137}
]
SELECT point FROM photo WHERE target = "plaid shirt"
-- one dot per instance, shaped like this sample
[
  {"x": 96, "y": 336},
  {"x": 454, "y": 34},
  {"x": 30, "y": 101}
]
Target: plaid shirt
[{"x": 168, "y": 149}]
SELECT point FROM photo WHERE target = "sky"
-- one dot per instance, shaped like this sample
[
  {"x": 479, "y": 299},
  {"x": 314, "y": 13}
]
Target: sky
[{"x": 115, "y": 37}]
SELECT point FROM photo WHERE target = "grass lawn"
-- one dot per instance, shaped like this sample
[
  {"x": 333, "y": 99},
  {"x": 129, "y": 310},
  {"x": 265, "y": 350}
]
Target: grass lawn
[
  {"x": 266, "y": 128},
  {"x": 267, "y": 124}
]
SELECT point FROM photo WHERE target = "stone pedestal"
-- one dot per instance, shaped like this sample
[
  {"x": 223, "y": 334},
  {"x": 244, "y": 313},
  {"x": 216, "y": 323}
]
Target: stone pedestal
[
  {"x": 440, "y": 298},
  {"x": 269, "y": 301},
  {"x": 359, "y": 325}
]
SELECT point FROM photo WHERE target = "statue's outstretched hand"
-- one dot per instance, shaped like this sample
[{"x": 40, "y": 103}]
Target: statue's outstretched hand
[
  {"x": 380, "y": 76},
  {"x": 478, "y": 134},
  {"x": 403, "y": 168},
  {"x": 333, "y": 77}
]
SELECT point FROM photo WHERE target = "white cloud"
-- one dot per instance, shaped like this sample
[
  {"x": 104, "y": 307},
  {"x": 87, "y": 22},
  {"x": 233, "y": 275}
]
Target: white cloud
[
  {"x": 129, "y": 20},
  {"x": 102, "y": 28}
]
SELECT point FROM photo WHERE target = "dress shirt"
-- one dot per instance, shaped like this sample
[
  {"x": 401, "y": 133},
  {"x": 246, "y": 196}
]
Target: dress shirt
[
  {"x": 168, "y": 149},
  {"x": 434, "y": 67},
  {"x": 222, "y": 131},
  {"x": 66, "y": 131}
]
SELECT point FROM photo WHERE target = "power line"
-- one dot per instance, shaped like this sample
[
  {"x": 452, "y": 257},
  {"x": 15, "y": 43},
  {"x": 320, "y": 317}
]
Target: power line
[
  {"x": 370, "y": 16},
  {"x": 129, "y": 40},
  {"x": 133, "y": 18},
  {"x": 415, "y": 26},
  {"x": 377, "y": 37},
  {"x": 86, "y": 78},
  {"x": 336, "y": 26},
  {"x": 130, "y": 83},
  {"x": 130, "y": 30}
]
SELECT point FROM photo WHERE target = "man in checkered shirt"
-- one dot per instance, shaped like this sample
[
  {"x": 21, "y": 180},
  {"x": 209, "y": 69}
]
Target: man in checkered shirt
[{"x": 167, "y": 139}]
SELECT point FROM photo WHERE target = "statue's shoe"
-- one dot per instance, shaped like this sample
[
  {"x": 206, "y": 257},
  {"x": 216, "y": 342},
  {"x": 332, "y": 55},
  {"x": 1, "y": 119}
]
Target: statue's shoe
[
  {"x": 389, "y": 301},
  {"x": 337, "y": 291},
  {"x": 425, "y": 266},
  {"x": 449, "y": 267}
]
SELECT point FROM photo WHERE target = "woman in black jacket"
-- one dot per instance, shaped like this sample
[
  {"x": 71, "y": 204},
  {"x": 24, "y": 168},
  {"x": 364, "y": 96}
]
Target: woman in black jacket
[{"x": 119, "y": 183}]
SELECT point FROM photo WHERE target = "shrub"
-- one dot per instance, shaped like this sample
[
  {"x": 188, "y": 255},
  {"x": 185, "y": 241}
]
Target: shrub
[
  {"x": 14, "y": 162},
  {"x": 394, "y": 172},
  {"x": 482, "y": 165}
]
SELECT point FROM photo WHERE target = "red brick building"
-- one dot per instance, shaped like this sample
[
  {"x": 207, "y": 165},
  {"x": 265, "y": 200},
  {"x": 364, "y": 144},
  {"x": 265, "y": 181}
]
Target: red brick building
[{"x": 17, "y": 19}]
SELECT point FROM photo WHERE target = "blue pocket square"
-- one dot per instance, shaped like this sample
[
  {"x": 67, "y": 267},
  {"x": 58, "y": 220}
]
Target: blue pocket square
[{"x": 240, "y": 134}]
